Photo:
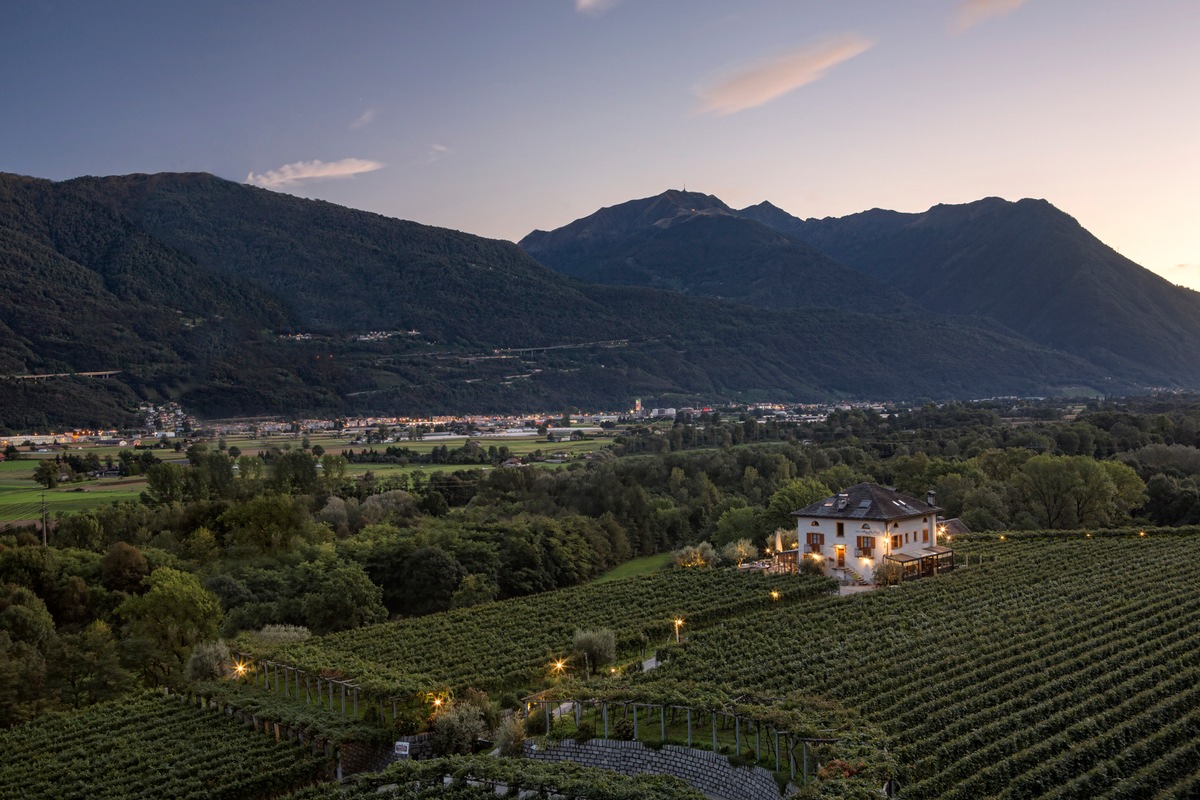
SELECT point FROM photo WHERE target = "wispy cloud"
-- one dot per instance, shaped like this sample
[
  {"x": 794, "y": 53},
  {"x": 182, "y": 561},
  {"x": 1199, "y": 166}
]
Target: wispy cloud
[
  {"x": 768, "y": 80},
  {"x": 301, "y": 171},
  {"x": 972, "y": 12},
  {"x": 594, "y": 6},
  {"x": 437, "y": 151},
  {"x": 363, "y": 120}
]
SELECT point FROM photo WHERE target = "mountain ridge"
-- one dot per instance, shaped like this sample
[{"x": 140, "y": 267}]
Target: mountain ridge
[
  {"x": 1031, "y": 267},
  {"x": 195, "y": 288},
  {"x": 695, "y": 244}
]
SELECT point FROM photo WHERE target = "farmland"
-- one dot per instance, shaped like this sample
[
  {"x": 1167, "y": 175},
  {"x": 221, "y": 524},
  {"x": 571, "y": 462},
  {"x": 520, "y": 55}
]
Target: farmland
[
  {"x": 147, "y": 746},
  {"x": 21, "y": 497},
  {"x": 1064, "y": 668},
  {"x": 511, "y": 643}
]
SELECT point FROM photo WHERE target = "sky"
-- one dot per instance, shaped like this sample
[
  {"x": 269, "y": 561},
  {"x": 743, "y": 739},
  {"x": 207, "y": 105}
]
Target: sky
[{"x": 498, "y": 117}]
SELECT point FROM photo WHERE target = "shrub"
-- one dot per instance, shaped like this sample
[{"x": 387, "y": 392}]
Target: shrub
[
  {"x": 585, "y": 732},
  {"x": 623, "y": 729},
  {"x": 510, "y": 735},
  {"x": 209, "y": 661},
  {"x": 535, "y": 725},
  {"x": 456, "y": 730}
]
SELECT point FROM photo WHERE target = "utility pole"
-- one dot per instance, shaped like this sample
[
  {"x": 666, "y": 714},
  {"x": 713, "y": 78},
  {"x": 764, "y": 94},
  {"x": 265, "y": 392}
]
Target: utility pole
[{"x": 45, "y": 541}]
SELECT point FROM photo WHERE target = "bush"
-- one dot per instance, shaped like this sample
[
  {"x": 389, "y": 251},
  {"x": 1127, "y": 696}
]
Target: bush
[
  {"x": 478, "y": 699},
  {"x": 535, "y": 725},
  {"x": 510, "y": 735},
  {"x": 209, "y": 661},
  {"x": 623, "y": 729},
  {"x": 456, "y": 730},
  {"x": 585, "y": 732}
]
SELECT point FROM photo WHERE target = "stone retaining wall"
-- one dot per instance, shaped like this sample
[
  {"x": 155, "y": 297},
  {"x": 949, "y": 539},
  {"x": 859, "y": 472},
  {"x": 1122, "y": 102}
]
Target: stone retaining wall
[{"x": 702, "y": 769}]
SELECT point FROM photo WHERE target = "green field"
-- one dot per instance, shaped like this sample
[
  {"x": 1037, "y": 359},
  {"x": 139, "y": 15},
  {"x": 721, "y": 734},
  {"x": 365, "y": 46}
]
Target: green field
[
  {"x": 148, "y": 746},
  {"x": 513, "y": 643},
  {"x": 1057, "y": 668},
  {"x": 638, "y": 566},
  {"x": 21, "y": 497}
]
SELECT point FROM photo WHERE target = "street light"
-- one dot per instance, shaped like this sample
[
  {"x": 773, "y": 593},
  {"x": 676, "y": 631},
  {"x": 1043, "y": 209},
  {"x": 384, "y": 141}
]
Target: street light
[
  {"x": 678, "y": 625},
  {"x": 774, "y": 594}
]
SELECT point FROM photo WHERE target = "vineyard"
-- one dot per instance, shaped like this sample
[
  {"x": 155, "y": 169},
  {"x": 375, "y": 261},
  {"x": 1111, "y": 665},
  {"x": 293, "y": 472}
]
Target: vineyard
[
  {"x": 148, "y": 747},
  {"x": 510, "y": 643},
  {"x": 1066, "y": 669},
  {"x": 476, "y": 778}
]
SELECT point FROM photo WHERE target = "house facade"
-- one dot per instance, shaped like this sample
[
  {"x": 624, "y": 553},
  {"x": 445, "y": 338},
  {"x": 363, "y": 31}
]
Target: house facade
[{"x": 856, "y": 531}]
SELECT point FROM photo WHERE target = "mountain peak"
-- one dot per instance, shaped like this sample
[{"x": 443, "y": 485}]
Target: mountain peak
[{"x": 659, "y": 211}]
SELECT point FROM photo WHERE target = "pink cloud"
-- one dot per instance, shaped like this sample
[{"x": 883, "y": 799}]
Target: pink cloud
[
  {"x": 972, "y": 12},
  {"x": 769, "y": 80}
]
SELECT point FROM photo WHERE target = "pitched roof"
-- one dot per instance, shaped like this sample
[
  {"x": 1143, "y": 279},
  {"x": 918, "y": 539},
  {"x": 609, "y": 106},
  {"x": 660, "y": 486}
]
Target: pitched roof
[
  {"x": 867, "y": 501},
  {"x": 953, "y": 527}
]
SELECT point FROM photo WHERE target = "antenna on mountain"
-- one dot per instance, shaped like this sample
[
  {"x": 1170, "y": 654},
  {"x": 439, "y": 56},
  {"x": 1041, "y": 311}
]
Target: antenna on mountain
[{"x": 685, "y": 186}]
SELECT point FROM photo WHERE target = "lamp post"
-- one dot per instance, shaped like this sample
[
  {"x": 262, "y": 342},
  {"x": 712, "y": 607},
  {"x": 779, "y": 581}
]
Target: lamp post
[{"x": 678, "y": 625}]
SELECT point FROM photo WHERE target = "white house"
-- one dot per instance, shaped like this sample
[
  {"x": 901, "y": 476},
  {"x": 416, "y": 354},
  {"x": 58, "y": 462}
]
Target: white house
[{"x": 861, "y": 528}]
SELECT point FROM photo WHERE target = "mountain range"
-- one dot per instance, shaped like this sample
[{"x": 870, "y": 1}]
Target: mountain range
[
  {"x": 1024, "y": 266},
  {"x": 236, "y": 300}
]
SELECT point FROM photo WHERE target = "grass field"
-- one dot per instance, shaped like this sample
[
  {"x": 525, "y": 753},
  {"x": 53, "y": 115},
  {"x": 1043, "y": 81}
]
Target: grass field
[
  {"x": 638, "y": 566},
  {"x": 21, "y": 498}
]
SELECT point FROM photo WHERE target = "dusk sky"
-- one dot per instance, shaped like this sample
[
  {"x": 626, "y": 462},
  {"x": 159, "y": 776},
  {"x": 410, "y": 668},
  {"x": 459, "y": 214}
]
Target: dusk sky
[{"x": 500, "y": 117}]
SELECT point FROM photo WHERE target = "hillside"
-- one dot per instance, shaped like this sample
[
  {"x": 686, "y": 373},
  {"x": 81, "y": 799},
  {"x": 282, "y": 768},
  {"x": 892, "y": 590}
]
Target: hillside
[
  {"x": 693, "y": 243},
  {"x": 192, "y": 285},
  {"x": 1028, "y": 266}
]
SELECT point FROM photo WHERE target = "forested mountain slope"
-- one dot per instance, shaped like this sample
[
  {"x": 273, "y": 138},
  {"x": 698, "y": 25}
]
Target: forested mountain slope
[
  {"x": 693, "y": 243},
  {"x": 1028, "y": 266},
  {"x": 195, "y": 288}
]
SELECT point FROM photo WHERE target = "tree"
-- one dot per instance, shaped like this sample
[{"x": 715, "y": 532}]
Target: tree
[
  {"x": 346, "y": 599},
  {"x": 295, "y": 472},
  {"x": 739, "y": 551},
  {"x": 702, "y": 556},
  {"x": 1047, "y": 485},
  {"x": 735, "y": 524},
  {"x": 596, "y": 647},
  {"x": 792, "y": 496},
  {"x": 431, "y": 577},
  {"x": 266, "y": 523},
  {"x": 473, "y": 591},
  {"x": 86, "y": 668},
  {"x": 123, "y": 568},
  {"x": 174, "y": 615},
  {"x": 165, "y": 483},
  {"x": 1129, "y": 489},
  {"x": 46, "y": 473}
]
